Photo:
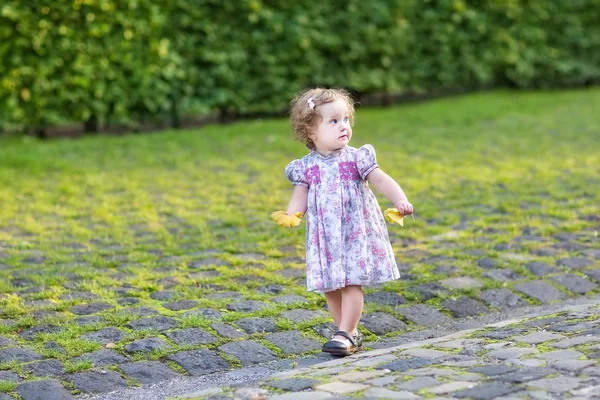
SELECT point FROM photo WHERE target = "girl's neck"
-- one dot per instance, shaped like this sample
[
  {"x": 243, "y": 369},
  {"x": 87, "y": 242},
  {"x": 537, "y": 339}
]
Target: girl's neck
[{"x": 326, "y": 153}]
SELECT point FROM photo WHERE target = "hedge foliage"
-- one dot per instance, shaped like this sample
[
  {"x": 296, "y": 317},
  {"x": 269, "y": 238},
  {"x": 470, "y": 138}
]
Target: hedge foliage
[{"x": 131, "y": 61}]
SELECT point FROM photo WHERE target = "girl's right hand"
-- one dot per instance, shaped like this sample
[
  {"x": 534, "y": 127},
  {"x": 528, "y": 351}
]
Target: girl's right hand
[{"x": 404, "y": 207}]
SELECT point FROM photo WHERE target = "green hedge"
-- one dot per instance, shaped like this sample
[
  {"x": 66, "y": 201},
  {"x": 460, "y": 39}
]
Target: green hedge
[{"x": 137, "y": 61}]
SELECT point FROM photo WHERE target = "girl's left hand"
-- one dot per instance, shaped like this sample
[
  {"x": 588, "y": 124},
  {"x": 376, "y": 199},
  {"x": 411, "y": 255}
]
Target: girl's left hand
[
  {"x": 287, "y": 220},
  {"x": 404, "y": 207}
]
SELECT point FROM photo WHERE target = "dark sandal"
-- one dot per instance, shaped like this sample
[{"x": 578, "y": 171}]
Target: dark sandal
[{"x": 338, "y": 348}]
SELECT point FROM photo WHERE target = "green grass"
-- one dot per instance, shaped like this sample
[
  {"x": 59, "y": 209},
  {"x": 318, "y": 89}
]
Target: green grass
[
  {"x": 77, "y": 366},
  {"x": 7, "y": 386},
  {"x": 104, "y": 212},
  {"x": 495, "y": 150}
]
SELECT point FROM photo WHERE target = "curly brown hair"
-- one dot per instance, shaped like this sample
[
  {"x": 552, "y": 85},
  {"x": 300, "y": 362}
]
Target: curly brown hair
[{"x": 304, "y": 118}]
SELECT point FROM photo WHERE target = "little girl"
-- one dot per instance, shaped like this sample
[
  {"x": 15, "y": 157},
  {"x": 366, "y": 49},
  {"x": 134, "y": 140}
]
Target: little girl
[{"x": 347, "y": 243}]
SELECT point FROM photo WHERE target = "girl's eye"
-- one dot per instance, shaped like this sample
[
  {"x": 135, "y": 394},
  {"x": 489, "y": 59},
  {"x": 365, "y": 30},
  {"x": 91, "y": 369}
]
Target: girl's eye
[
  {"x": 346, "y": 119},
  {"x": 334, "y": 121}
]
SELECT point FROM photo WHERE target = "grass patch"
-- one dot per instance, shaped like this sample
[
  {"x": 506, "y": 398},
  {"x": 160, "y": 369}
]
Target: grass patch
[
  {"x": 6, "y": 386},
  {"x": 75, "y": 347},
  {"x": 77, "y": 366}
]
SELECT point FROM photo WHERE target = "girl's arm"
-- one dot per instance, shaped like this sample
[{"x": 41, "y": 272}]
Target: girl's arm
[
  {"x": 299, "y": 201},
  {"x": 390, "y": 189}
]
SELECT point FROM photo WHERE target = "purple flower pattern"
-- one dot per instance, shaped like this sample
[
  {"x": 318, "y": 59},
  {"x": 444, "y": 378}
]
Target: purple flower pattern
[
  {"x": 313, "y": 175},
  {"x": 347, "y": 242},
  {"x": 348, "y": 171}
]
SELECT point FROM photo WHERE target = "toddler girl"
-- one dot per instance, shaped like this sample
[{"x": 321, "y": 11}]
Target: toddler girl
[{"x": 347, "y": 243}]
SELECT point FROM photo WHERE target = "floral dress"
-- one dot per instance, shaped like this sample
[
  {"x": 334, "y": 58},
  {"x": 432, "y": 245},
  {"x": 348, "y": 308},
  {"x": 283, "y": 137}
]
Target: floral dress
[{"x": 347, "y": 242}]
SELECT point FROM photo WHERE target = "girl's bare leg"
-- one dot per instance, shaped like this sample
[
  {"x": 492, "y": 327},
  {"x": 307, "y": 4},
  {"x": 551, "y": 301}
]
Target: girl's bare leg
[
  {"x": 352, "y": 307},
  {"x": 334, "y": 305}
]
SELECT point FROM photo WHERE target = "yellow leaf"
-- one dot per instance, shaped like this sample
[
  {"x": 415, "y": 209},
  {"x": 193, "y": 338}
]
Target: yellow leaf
[
  {"x": 285, "y": 220},
  {"x": 394, "y": 216}
]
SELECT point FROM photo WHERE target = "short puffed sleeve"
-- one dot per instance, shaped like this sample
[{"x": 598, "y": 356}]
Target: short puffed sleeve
[
  {"x": 295, "y": 173},
  {"x": 366, "y": 161}
]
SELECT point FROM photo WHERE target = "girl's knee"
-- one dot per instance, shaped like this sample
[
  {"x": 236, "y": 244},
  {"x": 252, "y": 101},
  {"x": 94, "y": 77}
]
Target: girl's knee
[{"x": 353, "y": 288}]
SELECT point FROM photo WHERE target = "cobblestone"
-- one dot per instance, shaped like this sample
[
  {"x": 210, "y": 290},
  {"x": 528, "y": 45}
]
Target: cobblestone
[
  {"x": 50, "y": 390},
  {"x": 378, "y": 393},
  {"x": 542, "y": 291},
  {"x": 572, "y": 365},
  {"x": 409, "y": 371},
  {"x": 361, "y": 376},
  {"x": 560, "y": 355},
  {"x": 248, "y": 352},
  {"x": 525, "y": 375},
  {"x": 199, "y": 362},
  {"x": 502, "y": 299},
  {"x": 147, "y": 345},
  {"x": 292, "y": 342},
  {"x": 141, "y": 337},
  {"x": 424, "y": 353},
  {"x": 341, "y": 387},
  {"x": 422, "y": 314},
  {"x": 148, "y": 371},
  {"x": 102, "y": 357},
  {"x": 294, "y": 385},
  {"x": 559, "y": 384},
  {"x": 538, "y": 337},
  {"x": 381, "y": 323},
  {"x": 103, "y": 336},
  {"x": 419, "y": 383},
  {"x": 515, "y": 352},
  {"x": 486, "y": 391},
  {"x": 451, "y": 387},
  {"x": 465, "y": 307},
  {"x": 564, "y": 344},
  {"x": 97, "y": 381}
]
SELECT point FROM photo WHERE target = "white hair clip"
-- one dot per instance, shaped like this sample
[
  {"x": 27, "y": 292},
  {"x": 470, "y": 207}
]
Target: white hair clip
[{"x": 310, "y": 103}]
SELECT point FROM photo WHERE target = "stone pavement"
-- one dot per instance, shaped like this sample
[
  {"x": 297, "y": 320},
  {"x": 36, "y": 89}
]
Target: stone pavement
[
  {"x": 550, "y": 356},
  {"x": 85, "y": 321}
]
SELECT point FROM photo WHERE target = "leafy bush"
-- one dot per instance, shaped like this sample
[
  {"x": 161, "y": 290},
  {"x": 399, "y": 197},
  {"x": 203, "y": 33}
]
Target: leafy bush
[{"x": 133, "y": 61}]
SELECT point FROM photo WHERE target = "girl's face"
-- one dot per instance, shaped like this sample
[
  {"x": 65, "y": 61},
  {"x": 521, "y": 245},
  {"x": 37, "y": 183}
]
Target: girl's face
[{"x": 334, "y": 131}]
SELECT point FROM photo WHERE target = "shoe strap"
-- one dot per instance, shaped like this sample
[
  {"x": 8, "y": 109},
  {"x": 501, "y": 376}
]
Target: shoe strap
[{"x": 347, "y": 336}]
